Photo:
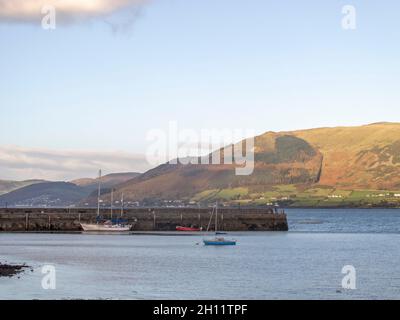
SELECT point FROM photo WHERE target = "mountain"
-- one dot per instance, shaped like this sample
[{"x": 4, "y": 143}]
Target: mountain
[
  {"x": 107, "y": 181},
  {"x": 45, "y": 194},
  {"x": 364, "y": 157},
  {"x": 39, "y": 193},
  {"x": 315, "y": 167},
  {"x": 7, "y": 186}
]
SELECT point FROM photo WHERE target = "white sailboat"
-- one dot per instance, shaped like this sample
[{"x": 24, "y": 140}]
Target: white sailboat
[{"x": 106, "y": 226}]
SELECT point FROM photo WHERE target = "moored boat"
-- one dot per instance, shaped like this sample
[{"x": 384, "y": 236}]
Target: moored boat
[
  {"x": 107, "y": 227},
  {"x": 102, "y": 225},
  {"x": 218, "y": 240},
  {"x": 188, "y": 229}
]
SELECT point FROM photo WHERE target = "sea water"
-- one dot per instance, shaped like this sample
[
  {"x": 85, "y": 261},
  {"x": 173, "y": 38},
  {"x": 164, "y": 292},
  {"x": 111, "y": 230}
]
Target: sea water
[{"x": 304, "y": 263}]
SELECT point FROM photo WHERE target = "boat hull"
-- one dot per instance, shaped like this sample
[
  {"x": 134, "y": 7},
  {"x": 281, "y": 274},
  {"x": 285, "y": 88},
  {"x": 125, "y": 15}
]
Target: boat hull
[
  {"x": 105, "y": 228},
  {"x": 219, "y": 243},
  {"x": 187, "y": 229}
]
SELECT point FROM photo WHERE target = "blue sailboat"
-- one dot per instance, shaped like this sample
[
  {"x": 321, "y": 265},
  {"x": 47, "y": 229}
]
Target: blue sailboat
[{"x": 218, "y": 240}]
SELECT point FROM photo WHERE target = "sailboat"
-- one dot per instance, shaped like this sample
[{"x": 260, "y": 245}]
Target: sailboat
[
  {"x": 108, "y": 225},
  {"x": 218, "y": 240}
]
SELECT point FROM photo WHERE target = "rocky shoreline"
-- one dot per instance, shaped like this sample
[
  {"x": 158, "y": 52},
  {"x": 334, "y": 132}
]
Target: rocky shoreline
[{"x": 8, "y": 270}]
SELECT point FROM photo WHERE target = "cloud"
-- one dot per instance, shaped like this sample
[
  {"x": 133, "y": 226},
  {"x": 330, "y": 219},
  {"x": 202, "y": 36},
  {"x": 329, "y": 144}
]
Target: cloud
[
  {"x": 67, "y": 10},
  {"x": 17, "y": 163}
]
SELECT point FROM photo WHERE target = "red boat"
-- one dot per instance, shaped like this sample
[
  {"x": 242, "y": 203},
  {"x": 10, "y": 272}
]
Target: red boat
[{"x": 180, "y": 228}]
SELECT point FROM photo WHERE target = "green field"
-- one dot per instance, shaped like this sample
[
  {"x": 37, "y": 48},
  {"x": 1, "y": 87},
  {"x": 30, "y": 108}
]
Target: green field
[{"x": 300, "y": 196}]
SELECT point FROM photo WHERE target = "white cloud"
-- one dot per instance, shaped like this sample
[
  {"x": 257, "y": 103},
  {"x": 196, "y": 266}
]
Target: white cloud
[
  {"x": 67, "y": 10},
  {"x": 17, "y": 163}
]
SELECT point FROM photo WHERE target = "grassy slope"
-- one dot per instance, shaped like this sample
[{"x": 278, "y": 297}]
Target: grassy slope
[
  {"x": 298, "y": 196},
  {"x": 363, "y": 157}
]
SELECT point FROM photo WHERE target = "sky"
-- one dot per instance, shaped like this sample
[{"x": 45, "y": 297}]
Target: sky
[{"x": 88, "y": 93}]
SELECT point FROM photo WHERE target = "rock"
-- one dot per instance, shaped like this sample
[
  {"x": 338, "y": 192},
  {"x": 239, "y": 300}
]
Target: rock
[{"x": 7, "y": 270}]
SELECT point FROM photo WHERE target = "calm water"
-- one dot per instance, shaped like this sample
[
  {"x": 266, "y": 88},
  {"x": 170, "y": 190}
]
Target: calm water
[{"x": 304, "y": 263}]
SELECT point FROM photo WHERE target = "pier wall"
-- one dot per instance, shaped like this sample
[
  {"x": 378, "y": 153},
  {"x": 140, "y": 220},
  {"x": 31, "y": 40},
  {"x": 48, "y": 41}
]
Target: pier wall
[{"x": 145, "y": 219}]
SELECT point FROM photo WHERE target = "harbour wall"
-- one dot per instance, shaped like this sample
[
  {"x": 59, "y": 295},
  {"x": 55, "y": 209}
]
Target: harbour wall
[{"x": 144, "y": 219}]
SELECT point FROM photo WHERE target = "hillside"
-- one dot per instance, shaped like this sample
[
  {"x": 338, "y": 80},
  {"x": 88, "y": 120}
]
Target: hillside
[
  {"x": 341, "y": 159},
  {"x": 366, "y": 157},
  {"x": 107, "y": 181},
  {"x": 7, "y": 186},
  {"x": 45, "y": 194},
  {"x": 279, "y": 159}
]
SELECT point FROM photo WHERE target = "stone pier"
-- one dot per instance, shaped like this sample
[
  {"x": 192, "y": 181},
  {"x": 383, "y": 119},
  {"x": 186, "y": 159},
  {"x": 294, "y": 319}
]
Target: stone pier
[{"x": 144, "y": 219}]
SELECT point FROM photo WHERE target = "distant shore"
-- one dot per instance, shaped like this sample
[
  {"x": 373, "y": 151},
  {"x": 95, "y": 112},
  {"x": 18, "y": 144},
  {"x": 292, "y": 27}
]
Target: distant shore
[
  {"x": 278, "y": 205},
  {"x": 341, "y": 207}
]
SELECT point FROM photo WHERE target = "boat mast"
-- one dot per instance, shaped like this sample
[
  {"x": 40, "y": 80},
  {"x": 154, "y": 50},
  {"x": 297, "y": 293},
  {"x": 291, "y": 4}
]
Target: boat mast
[
  {"x": 98, "y": 195},
  {"x": 122, "y": 205},
  {"x": 211, "y": 216},
  {"x": 112, "y": 200},
  {"x": 216, "y": 217}
]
